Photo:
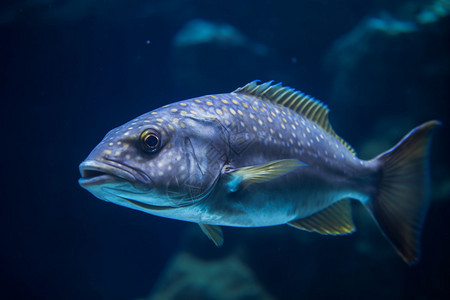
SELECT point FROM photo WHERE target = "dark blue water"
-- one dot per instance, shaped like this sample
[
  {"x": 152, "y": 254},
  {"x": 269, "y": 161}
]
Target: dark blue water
[{"x": 72, "y": 70}]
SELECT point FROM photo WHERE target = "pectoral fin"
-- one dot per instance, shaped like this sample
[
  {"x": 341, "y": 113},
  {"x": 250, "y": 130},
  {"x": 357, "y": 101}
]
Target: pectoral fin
[
  {"x": 213, "y": 232},
  {"x": 334, "y": 220},
  {"x": 241, "y": 178}
]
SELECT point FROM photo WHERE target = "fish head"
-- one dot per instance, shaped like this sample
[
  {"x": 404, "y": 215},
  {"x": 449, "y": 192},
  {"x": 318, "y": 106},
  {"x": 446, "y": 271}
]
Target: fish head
[{"x": 157, "y": 162}]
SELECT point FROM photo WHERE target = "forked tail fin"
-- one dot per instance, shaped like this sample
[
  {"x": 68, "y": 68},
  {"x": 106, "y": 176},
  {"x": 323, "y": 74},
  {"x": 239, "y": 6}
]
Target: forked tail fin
[{"x": 401, "y": 202}]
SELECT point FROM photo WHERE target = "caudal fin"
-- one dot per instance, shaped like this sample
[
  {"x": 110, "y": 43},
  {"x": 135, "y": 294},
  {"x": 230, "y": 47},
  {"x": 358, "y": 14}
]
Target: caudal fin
[{"x": 402, "y": 198}]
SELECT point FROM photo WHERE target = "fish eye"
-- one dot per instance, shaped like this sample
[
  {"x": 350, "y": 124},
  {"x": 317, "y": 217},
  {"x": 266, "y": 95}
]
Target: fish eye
[{"x": 150, "y": 141}]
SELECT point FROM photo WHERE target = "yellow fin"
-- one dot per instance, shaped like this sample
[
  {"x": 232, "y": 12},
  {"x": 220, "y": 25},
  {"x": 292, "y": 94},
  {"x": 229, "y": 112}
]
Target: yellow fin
[
  {"x": 334, "y": 220},
  {"x": 257, "y": 174},
  {"x": 299, "y": 102},
  {"x": 213, "y": 232}
]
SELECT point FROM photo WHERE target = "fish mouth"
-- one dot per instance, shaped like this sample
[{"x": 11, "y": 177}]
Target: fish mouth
[{"x": 95, "y": 173}]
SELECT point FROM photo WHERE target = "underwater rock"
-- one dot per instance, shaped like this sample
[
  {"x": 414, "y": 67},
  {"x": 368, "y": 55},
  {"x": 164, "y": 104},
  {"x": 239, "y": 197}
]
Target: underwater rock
[
  {"x": 206, "y": 54},
  {"x": 386, "y": 66},
  {"x": 279, "y": 262},
  {"x": 189, "y": 277}
]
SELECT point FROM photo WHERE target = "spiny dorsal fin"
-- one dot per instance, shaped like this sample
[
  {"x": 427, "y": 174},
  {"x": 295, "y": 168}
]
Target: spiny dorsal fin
[
  {"x": 299, "y": 102},
  {"x": 334, "y": 220}
]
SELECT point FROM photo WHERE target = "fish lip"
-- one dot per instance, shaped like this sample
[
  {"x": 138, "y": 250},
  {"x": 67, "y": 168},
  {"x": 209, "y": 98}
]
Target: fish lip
[{"x": 96, "y": 173}]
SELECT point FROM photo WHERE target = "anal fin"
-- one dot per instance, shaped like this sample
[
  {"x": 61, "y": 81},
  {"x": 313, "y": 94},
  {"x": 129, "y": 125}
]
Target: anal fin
[
  {"x": 213, "y": 232},
  {"x": 334, "y": 220}
]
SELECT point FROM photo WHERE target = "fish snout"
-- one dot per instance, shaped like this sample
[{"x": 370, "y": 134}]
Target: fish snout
[{"x": 96, "y": 173}]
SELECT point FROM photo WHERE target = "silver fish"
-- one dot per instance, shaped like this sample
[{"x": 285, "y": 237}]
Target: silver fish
[{"x": 262, "y": 155}]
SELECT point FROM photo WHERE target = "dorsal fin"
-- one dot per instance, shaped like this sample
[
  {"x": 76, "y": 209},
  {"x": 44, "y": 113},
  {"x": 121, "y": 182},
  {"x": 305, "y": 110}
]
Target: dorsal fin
[{"x": 299, "y": 102}]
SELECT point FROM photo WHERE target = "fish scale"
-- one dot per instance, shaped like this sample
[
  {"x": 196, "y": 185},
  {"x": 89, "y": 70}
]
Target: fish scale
[{"x": 262, "y": 155}]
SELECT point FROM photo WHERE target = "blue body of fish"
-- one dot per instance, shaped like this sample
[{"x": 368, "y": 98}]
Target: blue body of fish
[{"x": 262, "y": 155}]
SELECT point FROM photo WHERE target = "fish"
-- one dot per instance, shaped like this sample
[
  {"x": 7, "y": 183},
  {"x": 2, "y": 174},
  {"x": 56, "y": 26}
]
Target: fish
[{"x": 262, "y": 155}]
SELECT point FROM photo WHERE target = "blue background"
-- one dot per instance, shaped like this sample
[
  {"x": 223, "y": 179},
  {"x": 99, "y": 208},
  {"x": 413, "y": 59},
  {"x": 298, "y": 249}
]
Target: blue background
[{"x": 72, "y": 70}]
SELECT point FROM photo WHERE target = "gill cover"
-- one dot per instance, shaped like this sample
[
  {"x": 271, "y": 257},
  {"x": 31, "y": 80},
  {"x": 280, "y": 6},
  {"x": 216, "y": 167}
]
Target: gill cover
[{"x": 205, "y": 149}]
